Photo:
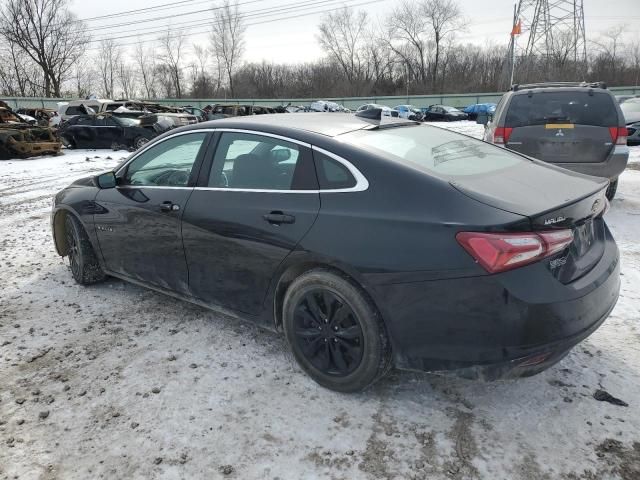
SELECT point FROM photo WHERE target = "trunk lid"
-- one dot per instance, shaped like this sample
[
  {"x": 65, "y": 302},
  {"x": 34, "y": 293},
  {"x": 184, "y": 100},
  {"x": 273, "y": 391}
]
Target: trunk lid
[{"x": 551, "y": 198}]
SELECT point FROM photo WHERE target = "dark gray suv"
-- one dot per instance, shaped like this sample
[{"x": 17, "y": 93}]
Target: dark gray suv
[{"x": 577, "y": 126}]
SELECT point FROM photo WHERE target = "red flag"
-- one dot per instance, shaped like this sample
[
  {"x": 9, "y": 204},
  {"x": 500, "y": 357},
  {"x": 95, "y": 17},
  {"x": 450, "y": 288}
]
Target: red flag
[{"x": 517, "y": 28}]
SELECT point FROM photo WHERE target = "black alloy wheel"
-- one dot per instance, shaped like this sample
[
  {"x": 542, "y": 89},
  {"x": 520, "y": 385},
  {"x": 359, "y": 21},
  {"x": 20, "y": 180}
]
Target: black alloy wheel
[
  {"x": 73, "y": 247},
  {"x": 328, "y": 332},
  {"x": 83, "y": 263},
  {"x": 335, "y": 332}
]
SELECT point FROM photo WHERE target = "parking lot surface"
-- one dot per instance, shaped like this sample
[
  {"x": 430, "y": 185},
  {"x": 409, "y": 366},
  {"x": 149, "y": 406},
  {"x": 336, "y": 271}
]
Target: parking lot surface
[{"x": 115, "y": 381}]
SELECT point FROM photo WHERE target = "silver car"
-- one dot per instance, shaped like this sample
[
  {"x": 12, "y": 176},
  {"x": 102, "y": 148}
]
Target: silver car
[{"x": 576, "y": 126}]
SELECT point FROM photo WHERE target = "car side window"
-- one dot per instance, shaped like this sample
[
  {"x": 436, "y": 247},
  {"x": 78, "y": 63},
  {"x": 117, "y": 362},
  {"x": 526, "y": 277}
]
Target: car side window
[
  {"x": 256, "y": 162},
  {"x": 332, "y": 175},
  {"x": 168, "y": 163}
]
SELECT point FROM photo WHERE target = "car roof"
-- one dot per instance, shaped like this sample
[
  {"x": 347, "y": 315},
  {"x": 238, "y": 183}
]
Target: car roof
[{"x": 320, "y": 123}]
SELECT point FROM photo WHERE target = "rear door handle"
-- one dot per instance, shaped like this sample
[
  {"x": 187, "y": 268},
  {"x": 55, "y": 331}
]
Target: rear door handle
[
  {"x": 169, "y": 206},
  {"x": 278, "y": 218}
]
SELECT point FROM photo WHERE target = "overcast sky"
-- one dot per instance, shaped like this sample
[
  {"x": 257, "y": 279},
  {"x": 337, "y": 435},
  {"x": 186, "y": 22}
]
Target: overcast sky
[{"x": 294, "y": 39}]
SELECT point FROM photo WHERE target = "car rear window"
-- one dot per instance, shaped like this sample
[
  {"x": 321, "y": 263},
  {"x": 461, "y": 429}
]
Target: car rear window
[
  {"x": 436, "y": 150},
  {"x": 576, "y": 107}
]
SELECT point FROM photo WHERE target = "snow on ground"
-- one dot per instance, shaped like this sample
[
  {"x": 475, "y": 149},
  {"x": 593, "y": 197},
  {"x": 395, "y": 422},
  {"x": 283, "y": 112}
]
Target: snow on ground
[{"x": 115, "y": 381}]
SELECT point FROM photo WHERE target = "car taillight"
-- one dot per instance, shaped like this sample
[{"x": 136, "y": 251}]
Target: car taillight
[
  {"x": 619, "y": 135},
  {"x": 502, "y": 134},
  {"x": 499, "y": 252}
]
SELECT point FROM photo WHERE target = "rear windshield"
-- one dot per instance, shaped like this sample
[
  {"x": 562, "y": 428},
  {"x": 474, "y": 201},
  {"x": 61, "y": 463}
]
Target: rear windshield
[
  {"x": 437, "y": 150},
  {"x": 580, "y": 108}
]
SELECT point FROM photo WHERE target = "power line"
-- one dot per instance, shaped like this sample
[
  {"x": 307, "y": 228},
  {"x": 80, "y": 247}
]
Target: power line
[
  {"x": 250, "y": 13},
  {"x": 168, "y": 17},
  {"x": 290, "y": 9},
  {"x": 138, "y": 11}
]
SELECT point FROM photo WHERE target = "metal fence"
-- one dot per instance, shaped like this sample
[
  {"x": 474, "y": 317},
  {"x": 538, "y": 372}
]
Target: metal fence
[{"x": 454, "y": 100}]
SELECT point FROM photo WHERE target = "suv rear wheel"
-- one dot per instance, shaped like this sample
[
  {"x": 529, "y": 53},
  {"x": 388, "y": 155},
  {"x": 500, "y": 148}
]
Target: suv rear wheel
[{"x": 612, "y": 189}]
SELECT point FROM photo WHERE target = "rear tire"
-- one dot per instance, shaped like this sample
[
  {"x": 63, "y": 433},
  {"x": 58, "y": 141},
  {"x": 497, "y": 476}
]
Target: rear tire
[
  {"x": 612, "y": 189},
  {"x": 335, "y": 333},
  {"x": 68, "y": 142},
  {"x": 83, "y": 263},
  {"x": 140, "y": 142}
]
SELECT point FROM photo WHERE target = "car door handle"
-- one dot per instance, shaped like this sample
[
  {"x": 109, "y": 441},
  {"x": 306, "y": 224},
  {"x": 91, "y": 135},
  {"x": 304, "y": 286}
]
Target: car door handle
[
  {"x": 169, "y": 206},
  {"x": 278, "y": 218}
]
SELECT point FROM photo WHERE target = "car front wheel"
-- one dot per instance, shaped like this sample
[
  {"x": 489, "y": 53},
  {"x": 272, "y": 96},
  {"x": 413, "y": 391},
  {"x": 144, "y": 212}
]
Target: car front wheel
[
  {"x": 83, "y": 262},
  {"x": 335, "y": 333}
]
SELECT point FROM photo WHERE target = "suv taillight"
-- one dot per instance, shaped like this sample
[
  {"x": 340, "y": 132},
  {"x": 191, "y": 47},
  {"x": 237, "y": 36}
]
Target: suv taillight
[
  {"x": 618, "y": 135},
  {"x": 499, "y": 252},
  {"x": 501, "y": 135}
]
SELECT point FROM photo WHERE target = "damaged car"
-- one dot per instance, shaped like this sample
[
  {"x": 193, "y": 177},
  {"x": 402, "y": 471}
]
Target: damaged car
[
  {"x": 104, "y": 131},
  {"x": 21, "y": 140}
]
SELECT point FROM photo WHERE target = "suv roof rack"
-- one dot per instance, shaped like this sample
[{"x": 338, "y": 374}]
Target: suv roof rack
[{"x": 524, "y": 86}]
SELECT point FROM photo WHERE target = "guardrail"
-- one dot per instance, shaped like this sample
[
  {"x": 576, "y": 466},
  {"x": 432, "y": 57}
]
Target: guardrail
[{"x": 454, "y": 100}]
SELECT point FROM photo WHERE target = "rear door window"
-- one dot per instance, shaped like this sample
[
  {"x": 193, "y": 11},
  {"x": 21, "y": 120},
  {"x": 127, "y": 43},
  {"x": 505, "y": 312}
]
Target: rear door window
[{"x": 575, "y": 107}]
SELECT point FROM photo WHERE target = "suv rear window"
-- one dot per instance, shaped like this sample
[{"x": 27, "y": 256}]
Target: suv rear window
[{"x": 577, "y": 107}]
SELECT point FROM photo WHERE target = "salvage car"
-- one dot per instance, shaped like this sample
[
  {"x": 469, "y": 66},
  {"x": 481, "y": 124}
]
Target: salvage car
[
  {"x": 577, "y": 126},
  {"x": 473, "y": 110},
  {"x": 104, "y": 131},
  {"x": 443, "y": 113},
  {"x": 43, "y": 116},
  {"x": 386, "y": 111},
  {"x": 409, "y": 112},
  {"x": 370, "y": 242},
  {"x": 631, "y": 111},
  {"x": 21, "y": 140}
]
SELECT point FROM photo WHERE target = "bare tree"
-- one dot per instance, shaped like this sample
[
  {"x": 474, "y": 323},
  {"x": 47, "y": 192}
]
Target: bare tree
[
  {"x": 227, "y": 38},
  {"x": 409, "y": 39},
  {"x": 172, "y": 46},
  {"x": 342, "y": 35},
  {"x": 146, "y": 62},
  {"x": 108, "y": 63},
  {"x": 444, "y": 18},
  {"x": 48, "y": 34},
  {"x": 127, "y": 79}
]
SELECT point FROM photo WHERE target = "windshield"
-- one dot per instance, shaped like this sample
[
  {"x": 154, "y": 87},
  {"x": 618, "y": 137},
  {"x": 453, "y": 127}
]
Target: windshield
[
  {"x": 451, "y": 109},
  {"x": 437, "y": 150},
  {"x": 127, "y": 122}
]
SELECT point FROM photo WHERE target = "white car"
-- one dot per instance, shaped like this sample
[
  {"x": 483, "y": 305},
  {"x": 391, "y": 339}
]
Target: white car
[{"x": 386, "y": 111}]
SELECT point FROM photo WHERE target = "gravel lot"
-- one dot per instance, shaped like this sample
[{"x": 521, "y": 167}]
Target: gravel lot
[{"x": 114, "y": 381}]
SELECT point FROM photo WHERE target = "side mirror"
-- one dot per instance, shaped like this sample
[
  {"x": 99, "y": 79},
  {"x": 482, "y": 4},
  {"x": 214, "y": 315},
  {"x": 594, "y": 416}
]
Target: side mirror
[
  {"x": 106, "y": 180},
  {"x": 482, "y": 118}
]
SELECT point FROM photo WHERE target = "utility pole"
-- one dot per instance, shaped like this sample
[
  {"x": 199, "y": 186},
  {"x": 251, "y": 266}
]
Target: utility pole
[{"x": 544, "y": 25}]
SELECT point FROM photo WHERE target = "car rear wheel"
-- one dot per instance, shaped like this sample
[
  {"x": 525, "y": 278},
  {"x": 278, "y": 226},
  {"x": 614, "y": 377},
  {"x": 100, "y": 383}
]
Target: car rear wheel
[
  {"x": 139, "y": 142},
  {"x": 83, "y": 262},
  {"x": 336, "y": 335},
  {"x": 68, "y": 142},
  {"x": 612, "y": 189}
]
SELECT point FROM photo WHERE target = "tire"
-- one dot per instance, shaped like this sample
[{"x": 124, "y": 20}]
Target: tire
[
  {"x": 83, "y": 262},
  {"x": 68, "y": 142},
  {"x": 335, "y": 333},
  {"x": 139, "y": 142},
  {"x": 612, "y": 189}
]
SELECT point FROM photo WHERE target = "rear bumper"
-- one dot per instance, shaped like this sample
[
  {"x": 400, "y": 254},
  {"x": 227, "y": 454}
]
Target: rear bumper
[
  {"x": 611, "y": 168},
  {"x": 511, "y": 324}
]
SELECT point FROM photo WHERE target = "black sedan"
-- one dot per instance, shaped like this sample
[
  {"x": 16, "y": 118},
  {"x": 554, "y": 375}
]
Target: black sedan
[
  {"x": 104, "y": 131},
  {"x": 370, "y": 243},
  {"x": 442, "y": 113}
]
